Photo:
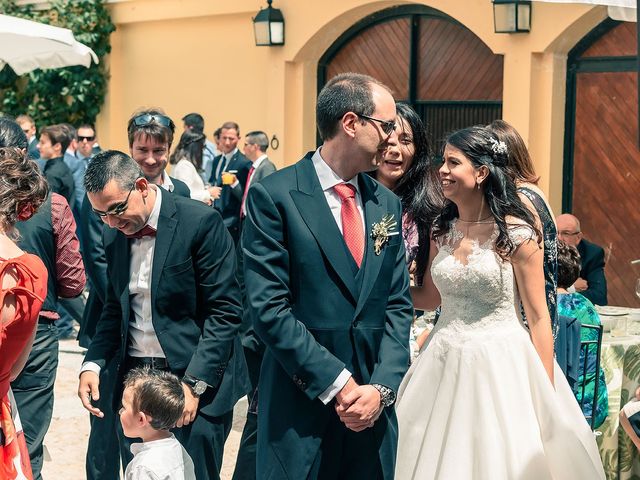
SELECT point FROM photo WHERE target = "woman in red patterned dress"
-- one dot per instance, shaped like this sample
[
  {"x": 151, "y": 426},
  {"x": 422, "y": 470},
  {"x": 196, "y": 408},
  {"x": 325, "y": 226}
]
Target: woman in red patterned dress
[{"x": 23, "y": 286}]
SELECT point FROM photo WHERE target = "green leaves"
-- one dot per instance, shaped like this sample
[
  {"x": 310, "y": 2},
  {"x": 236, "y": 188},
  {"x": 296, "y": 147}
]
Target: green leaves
[{"x": 73, "y": 94}]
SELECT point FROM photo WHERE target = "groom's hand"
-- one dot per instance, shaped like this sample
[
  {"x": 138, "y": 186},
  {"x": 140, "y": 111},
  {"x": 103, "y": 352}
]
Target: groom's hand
[{"x": 360, "y": 408}]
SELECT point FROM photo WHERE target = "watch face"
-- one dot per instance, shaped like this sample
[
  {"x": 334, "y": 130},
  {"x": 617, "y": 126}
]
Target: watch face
[{"x": 199, "y": 387}]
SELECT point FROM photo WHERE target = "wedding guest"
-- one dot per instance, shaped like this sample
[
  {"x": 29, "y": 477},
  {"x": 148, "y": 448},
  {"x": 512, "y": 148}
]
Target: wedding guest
[
  {"x": 328, "y": 293},
  {"x": 49, "y": 234},
  {"x": 405, "y": 168},
  {"x": 187, "y": 163},
  {"x": 52, "y": 146},
  {"x": 575, "y": 305},
  {"x": 481, "y": 370},
  {"x": 521, "y": 169},
  {"x": 28, "y": 126},
  {"x": 152, "y": 403},
  {"x": 23, "y": 287},
  {"x": 172, "y": 303},
  {"x": 592, "y": 282},
  {"x": 195, "y": 123}
]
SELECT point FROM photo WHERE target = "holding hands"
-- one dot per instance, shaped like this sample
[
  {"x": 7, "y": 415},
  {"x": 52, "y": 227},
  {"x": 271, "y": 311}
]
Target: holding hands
[{"x": 358, "y": 406}]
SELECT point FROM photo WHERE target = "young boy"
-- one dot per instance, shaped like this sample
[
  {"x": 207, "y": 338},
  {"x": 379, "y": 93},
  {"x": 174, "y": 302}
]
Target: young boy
[{"x": 152, "y": 403}]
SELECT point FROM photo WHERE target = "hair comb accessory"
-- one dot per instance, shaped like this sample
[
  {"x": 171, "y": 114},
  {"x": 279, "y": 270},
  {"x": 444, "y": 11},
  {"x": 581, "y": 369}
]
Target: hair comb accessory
[{"x": 498, "y": 147}]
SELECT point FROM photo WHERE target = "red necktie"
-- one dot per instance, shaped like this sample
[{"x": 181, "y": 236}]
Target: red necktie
[
  {"x": 146, "y": 231},
  {"x": 352, "y": 230},
  {"x": 246, "y": 190}
]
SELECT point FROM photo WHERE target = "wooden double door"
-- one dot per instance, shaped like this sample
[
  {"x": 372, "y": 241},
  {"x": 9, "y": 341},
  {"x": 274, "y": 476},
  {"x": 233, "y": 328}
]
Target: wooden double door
[{"x": 429, "y": 60}]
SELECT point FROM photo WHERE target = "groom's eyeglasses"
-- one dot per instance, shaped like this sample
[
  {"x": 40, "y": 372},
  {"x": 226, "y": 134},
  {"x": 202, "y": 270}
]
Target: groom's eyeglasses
[
  {"x": 117, "y": 209},
  {"x": 387, "y": 126}
]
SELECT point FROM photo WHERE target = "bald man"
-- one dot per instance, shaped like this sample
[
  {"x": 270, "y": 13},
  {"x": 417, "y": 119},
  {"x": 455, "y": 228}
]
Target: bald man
[{"x": 592, "y": 282}]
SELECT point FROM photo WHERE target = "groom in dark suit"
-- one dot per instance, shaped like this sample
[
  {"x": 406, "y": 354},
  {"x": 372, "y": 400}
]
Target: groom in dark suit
[
  {"x": 328, "y": 294},
  {"x": 172, "y": 302}
]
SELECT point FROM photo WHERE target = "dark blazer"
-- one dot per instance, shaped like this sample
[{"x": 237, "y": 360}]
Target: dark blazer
[
  {"x": 231, "y": 197},
  {"x": 91, "y": 228},
  {"x": 60, "y": 179},
  {"x": 32, "y": 150},
  {"x": 265, "y": 168},
  {"x": 315, "y": 318},
  {"x": 195, "y": 308},
  {"x": 592, "y": 270},
  {"x": 180, "y": 188}
]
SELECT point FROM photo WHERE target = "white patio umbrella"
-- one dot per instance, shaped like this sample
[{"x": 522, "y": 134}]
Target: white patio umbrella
[{"x": 27, "y": 45}]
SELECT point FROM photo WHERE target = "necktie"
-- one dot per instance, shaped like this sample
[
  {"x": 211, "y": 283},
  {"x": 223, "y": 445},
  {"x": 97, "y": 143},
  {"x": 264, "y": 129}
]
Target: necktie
[
  {"x": 246, "y": 190},
  {"x": 352, "y": 230},
  {"x": 146, "y": 231},
  {"x": 221, "y": 167}
]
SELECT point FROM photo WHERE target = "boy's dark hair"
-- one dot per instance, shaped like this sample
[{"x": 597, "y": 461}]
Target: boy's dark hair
[
  {"x": 156, "y": 393},
  {"x": 568, "y": 265},
  {"x": 58, "y": 134},
  {"x": 195, "y": 121}
]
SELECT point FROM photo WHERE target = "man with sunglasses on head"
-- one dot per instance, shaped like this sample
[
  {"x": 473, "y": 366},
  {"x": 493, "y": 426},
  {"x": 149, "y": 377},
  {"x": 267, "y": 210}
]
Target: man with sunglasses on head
[
  {"x": 172, "y": 303},
  {"x": 150, "y": 133},
  {"x": 328, "y": 293}
]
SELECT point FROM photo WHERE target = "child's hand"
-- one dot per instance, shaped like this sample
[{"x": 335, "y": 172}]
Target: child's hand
[{"x": 638, "y": 393}]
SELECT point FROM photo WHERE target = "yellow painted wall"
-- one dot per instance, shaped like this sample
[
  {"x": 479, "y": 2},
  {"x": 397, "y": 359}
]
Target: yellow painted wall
[{"x": 199, "y": 55}]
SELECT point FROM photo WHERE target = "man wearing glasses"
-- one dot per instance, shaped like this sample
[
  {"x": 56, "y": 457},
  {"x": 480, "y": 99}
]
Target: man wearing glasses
[
  {"x": 150, "y": 134},
  {"x": 178, "y": 249},
  {"x": 332, "y": 309},
  {"x": 592, "y": 282}
]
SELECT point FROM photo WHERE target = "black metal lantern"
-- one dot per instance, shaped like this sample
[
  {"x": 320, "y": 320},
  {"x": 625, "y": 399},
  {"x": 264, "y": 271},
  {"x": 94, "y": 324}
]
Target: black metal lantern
[
  {"x": 511, "y": 16},
  {"x": 268, "y": 26}
]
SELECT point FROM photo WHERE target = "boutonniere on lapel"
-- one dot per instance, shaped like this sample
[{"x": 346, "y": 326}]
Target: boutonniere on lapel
[{"x": 381, "y": 231}]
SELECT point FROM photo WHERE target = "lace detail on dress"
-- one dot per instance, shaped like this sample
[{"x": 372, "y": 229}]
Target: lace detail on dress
[{"x": 479, "y": 295}]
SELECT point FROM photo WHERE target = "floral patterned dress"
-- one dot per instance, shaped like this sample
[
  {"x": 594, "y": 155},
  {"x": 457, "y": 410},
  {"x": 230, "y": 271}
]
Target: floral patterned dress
[
  {"x": 550, "y": 237},
  {"x": 575, "y": 305}
]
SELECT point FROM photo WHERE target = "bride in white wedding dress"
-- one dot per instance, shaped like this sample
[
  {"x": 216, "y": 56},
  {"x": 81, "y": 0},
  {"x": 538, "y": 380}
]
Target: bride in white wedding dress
[{"x": 485, "y": 399}]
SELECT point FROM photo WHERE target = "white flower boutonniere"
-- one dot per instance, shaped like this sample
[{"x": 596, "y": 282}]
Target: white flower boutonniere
[{"x": 381, "y": 231}]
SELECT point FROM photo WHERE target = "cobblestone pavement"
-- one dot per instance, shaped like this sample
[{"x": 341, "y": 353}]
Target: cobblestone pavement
[{"x": 66, "y": 441}]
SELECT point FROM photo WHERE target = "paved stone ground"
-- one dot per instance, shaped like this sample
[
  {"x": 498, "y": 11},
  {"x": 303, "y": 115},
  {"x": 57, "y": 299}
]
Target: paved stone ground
[{"x": 66, "y": 442}]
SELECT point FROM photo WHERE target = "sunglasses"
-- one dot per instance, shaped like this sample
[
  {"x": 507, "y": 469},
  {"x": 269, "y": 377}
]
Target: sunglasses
[
  {"x": 118, "y": 209},
  {"x": 88, "y": 139},
  {"x": 387, "y": 126},
  {"x": 148, "y": 118}
]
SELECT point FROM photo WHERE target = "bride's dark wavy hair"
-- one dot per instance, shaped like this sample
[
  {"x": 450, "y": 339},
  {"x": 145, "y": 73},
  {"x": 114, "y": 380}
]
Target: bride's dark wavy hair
[{"x": 480, "y": 146}]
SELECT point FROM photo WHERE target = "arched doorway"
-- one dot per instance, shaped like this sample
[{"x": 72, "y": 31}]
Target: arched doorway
[
  {"x": 430, "y": 60},
  {"x": 602, "y": 161}
]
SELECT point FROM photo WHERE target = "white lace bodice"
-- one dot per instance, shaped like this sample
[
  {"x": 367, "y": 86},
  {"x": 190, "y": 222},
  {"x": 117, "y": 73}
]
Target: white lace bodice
[{"x": 478, "y": 294}]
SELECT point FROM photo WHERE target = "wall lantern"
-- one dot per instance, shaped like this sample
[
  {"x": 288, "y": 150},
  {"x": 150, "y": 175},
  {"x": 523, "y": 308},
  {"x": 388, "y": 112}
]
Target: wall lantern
[
  {"x": 268, "y": 26},
  {"x": 511, "y": 16}
]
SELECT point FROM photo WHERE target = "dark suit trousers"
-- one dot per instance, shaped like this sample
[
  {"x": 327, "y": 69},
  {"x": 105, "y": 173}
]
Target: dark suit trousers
[
  {"x": 203, "y": 439},
  {"x": 345, "y": 454},
  {"x": 33, "y": 391},
  {"x": 103, "y": 448},
  {"x": 246, "y": 461}
]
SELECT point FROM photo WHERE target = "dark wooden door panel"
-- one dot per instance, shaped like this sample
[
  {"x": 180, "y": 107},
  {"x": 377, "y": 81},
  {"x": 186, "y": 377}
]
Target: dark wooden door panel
[{"x": 606, "y": 174}]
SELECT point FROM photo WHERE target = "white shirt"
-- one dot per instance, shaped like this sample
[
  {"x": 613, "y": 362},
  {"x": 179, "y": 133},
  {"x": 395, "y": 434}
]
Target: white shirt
[
  {"x": 255, "y": 166},
  {"x": 167, "y": 184},
  {"x": 329, "y": 179},
  {"x": 223, "y": 164},
  {"x": 185, "y": 170},
  {"x": 162, "y": 459},
  {"x": 142, "y": 336}
]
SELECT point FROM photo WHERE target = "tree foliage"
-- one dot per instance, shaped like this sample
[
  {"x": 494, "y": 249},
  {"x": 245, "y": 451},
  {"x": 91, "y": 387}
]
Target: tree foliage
[{"x": 72, "y": 94}]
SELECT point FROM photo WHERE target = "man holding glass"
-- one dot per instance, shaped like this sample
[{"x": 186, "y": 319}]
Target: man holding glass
[{"x": 228, "y": 178}]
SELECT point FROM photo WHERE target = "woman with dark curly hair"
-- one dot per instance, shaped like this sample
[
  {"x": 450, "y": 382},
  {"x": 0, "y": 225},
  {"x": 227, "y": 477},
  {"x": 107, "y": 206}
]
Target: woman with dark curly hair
[
  {"x": 23, "y": 286},
  {"x": 405, "y": 168},
  {"x": 485, "y": 398}
]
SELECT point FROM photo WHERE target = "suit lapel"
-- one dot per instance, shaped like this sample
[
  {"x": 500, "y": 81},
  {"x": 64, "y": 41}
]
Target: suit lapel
[
  {"x": 312, "y": 205},
  {"x": 118, "y": 249},
  {"x": 374, "y": 210},
  {"x": 164, "y": 236}
]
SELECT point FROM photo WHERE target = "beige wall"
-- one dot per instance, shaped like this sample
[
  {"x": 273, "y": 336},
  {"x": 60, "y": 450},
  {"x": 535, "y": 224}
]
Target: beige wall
[{"x": 199, "y": 55}]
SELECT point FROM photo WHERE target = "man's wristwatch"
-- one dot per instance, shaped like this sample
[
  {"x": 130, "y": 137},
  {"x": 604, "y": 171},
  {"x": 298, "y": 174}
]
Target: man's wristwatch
[
  {"x": 198, "y": 387},
  {"x": 387, "y": 396}
]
